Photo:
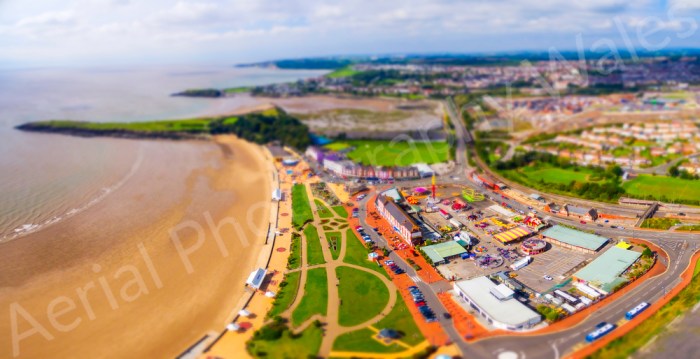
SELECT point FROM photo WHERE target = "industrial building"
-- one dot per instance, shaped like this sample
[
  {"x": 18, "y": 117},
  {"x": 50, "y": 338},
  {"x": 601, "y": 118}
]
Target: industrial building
[
  {"x": 496, "y": 303},
  {"x": 574, "y": 240}
]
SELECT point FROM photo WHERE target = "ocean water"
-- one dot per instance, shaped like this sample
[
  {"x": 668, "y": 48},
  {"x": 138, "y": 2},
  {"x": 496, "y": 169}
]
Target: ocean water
[{"x": 45, "y": 178}]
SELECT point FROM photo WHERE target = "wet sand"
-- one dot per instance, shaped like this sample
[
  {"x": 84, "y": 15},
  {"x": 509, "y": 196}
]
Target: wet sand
[{"x": 114, "y": 282}]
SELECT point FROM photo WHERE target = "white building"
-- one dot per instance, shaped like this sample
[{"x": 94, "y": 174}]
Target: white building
[
  {"x": 496, "y": 304},
  {"x": 277, "y": 195}
]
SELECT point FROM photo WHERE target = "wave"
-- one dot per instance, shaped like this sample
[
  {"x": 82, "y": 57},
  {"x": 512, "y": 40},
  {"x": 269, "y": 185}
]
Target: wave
[{"x": 29, "y": 228}]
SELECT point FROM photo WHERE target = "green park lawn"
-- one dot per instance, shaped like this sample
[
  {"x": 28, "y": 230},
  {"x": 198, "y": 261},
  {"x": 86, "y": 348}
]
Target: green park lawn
[
  {"x": 363, "y": 296},
  {"x": 386, "y": 153},
  {"x": 356, "y": 253},
  {"x": 301, "y": 210},
  {"x": 286, "y": 294},
  {"x": 337, "y": 238},
  {"x": 323, "y": 211},
  {"x": 670, "y": 188},
  {"x": 340, "y": 210},
  {"x": 305, "y": 345},
  {"x": 362, "y": 341},
  {"x": 315, "y": 300},
  {"x": 400, "y": 319},
  {"x": 314, "y": 251}
]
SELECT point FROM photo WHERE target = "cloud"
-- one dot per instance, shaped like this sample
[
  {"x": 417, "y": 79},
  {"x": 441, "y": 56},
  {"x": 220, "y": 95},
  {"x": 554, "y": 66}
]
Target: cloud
[
  {"x": 281, "y": 28},
  {"x": 48, "y": 19}
]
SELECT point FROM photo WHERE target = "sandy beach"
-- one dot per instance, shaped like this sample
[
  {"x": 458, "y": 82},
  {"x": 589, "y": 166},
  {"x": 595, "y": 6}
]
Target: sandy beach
[{"x": 148, "y": 271}]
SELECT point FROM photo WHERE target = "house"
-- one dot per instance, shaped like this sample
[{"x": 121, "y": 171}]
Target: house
[{"x": 579, "y": 212}]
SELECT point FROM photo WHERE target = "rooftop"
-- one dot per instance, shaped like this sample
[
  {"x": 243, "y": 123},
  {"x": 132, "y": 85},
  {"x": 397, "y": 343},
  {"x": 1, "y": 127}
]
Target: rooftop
[
  {"x": 575, "y": 238},
  {"x": 604, "y": 272},
  {"x": 438, "y": 252},
  {"x": 509, "y": 311}
]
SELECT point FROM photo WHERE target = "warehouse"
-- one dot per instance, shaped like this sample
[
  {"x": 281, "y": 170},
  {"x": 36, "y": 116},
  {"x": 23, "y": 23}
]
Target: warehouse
[{"x": 496, "y": 303}]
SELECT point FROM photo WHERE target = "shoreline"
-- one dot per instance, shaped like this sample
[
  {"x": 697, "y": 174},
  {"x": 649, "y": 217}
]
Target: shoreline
[{"x": 125, "y": 236}]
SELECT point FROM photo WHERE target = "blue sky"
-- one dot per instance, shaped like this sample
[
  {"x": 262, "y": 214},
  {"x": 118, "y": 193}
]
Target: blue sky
[{"x": 83, "y": 32}]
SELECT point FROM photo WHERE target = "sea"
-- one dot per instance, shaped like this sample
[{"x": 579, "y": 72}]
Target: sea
[{"x": 46, "y": 178}]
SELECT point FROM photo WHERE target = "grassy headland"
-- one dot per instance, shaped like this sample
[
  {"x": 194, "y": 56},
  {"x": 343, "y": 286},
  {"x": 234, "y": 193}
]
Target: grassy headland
[{"x": 260, "y": 127}]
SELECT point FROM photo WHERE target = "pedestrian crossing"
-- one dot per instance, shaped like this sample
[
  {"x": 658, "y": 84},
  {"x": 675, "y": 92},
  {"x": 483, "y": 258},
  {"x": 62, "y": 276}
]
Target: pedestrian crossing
[{"x": 415, "y": 278}]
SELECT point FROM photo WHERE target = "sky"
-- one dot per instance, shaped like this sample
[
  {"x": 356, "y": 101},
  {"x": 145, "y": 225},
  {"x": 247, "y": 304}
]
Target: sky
[{"x": 92, "y": 32}]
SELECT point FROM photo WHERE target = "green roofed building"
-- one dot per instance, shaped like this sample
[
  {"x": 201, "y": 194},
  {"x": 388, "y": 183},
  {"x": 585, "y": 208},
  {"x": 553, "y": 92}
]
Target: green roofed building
[
  {"x": 441, "y": 252},
  {"x": 604, "y": 273},
  {"x": 573, "y": 239}
]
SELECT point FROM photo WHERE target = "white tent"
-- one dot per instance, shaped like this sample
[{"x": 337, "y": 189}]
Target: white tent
[
  {"x": 244, "y": 313},
  {"x": 232, "y": 327}
]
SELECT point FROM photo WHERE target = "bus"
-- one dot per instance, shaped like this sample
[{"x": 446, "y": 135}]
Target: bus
[
  {"x": 565, "y": 297},
  {"x": 445, "y": 214},
  {"x": 602, "y": 329},
  {"x": 636, "y": 310}
]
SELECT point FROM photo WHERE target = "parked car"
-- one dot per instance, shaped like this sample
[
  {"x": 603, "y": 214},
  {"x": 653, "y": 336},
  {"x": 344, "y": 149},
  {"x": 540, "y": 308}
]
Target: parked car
[
  {"x": 446, "y": 315},
  {"x": 548, "y": 277},
  {"x": 582, "y": 222}
]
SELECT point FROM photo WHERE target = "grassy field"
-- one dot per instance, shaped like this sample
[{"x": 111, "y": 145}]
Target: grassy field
[
  {"x": 693, "y": 228},
  {"x": 286, "y": 294},
  {"x": 386, "y": 153},
  {"x": 628, "y": 344},
  {"x": 340, "y": 210},
  {"x": 314, "y": 251},
  {"x": 334, "y": 236},
  {"x": 361, "y": 340},
  {"x": 323, "y": 211},
  {"x": 356, "y": 253},
  {"x": 301, "y": 210},
  {"x": 315, "y": 300},
  {"x": 305, "y": 345},
  {"x": 660, "y": 223},
  {"x": 401, "y": 319},
  {"x": 551, "y": 174},
  {"x": 346, "y": 71},
  {"x": 659, "y": 186},
  {"x": 363, "y": 296}
]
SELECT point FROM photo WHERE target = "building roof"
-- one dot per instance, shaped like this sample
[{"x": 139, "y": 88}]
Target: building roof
[
  {"x": 393, "y": 193},
  {"x": 438, "y": 252},
  {"x": 399, "y": 214},
  {"x": 423, "y": 168},
  {"x": 511, "y": 235},
  {"x": 256, "y": 277},
  {"x": 575, "y": 238},
  {"x": 579, "y": 210},
  {"x": 604, "y": 272},
  {"x": 510, "y": 311},
  {"x": 535, "y": 196}
]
